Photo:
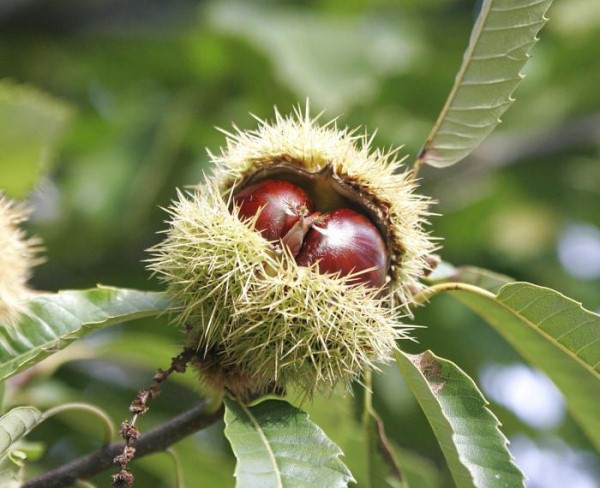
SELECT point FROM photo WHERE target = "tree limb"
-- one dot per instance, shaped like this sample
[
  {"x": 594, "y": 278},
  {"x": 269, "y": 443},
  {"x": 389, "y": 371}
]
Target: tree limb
[{"x": 158, "y": 439}]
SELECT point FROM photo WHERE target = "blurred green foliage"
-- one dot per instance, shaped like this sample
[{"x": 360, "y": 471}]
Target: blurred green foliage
[{"x": 146, "y": 82}]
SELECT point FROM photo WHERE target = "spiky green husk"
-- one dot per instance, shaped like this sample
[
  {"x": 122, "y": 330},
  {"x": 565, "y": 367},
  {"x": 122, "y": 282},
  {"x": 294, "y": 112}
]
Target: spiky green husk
[
  {"x": 17, "y": 257},
  {"x": 258, "y": 320},
  {"x": 376, "y": 174}
]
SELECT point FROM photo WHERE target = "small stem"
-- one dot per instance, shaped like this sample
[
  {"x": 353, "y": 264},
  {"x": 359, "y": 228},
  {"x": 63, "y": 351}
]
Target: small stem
[
  {"x": 367, "y": 420},
  {"x": 416, "y": 168},
  {"x": 368, "y": 403},
  {"x": 107, "y": 424},
  {"x": 431, "y": 291},
  {"x": 178, "y": 471}
]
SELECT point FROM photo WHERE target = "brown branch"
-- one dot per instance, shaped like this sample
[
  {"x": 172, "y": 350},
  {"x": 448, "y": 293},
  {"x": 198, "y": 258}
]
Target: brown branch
[{"x": 158, "y": 439}]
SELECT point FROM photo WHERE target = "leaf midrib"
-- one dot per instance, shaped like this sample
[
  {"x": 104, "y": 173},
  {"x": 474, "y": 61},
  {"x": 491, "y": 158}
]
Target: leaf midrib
[
  {"x": 533, "y": 326},
  {"x": 460, "y": 76},
  {"x": 265, "y": 441}
]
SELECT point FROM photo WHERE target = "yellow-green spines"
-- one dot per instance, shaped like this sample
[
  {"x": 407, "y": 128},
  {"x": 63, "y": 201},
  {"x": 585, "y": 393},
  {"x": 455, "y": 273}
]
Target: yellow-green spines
[
  {"x": 18, "y": 255},
  {"x": 258, "y": 320}
]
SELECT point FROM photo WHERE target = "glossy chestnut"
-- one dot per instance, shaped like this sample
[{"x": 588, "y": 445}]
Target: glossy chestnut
[
  {"x": 346, "y": 242},
  {"x": 281, "y": 205}
]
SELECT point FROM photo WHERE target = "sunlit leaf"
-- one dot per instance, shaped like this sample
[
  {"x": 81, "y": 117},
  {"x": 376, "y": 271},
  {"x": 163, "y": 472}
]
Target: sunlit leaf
[
  {"x": 276, "y": 445},
  {"x": 55, "y": 320},
  {"x": 502, "y": 37},
  {"x": 556, "y": 335},
  {"x": 467, "y": 431},
  {"x": 16, "y": 424},
  {"x": 30, "y": 123},
  {"x": 11, "y": 473}
]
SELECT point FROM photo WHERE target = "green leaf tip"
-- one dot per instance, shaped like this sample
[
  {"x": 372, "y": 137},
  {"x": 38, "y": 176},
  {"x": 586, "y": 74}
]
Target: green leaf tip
[{"x": 501, "y": 39}]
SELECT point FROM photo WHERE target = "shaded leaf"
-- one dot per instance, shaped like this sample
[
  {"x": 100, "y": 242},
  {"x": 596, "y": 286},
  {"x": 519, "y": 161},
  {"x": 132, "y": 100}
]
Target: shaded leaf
[
  {"x": 503, "y": 35},
  {"x": 556, "y": 335},
  {"x": 55, "y": 320},
  {"x": 467, "y": 431},
  {"x": 30, "y": 123},
  {"x": 276, "y": 445}
]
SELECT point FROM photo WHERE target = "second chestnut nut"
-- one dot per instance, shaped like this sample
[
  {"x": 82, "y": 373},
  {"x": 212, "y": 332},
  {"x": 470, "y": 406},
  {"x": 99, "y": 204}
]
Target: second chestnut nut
[{"x": 342, "y": 241}]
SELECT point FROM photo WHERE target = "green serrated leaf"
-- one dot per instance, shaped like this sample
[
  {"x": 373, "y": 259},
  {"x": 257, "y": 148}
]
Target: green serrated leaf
[
  {"x": 56, "y": 319},
  {"x": 553, "y": 333},
  {"x": 467, "y": 431},
  {"x": 502, "y": 37},
  {"x": 16, "y": 424},
  {"x": 30, "y": 123},
  {"x": 276, "y": 445},
  {"x": 14, "y": 451}
]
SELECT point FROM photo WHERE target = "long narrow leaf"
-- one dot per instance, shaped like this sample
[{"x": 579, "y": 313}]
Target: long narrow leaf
[
  {"x": 502, "y": 37},
  {"x": 55, "y": 320},
  {"x": 553, "y": 333},
  {"x": 276, "y": 445},
  {"x": 467, "y": 431}
]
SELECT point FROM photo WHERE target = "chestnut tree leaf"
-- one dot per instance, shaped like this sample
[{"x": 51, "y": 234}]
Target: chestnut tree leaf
[
  {"x": 16, "y": 424},
  {"x": 54, "y": 320},
  {"x": 554, "y": 334},
  {"x": 276, "y": 446},
  {"x": 30, "y": 124},
  {"x": 467, "y": 431},
  {"x": 503, "y": 34}
]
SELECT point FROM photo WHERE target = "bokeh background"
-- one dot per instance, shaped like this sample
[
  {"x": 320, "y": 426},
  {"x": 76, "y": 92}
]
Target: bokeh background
[{"x": 134, "y": 90}]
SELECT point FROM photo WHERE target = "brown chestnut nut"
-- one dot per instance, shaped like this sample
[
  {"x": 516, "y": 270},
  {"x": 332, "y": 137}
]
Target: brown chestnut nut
[
  {"x": 346, "y": 242},
  {"x": 281, "y": 204}
]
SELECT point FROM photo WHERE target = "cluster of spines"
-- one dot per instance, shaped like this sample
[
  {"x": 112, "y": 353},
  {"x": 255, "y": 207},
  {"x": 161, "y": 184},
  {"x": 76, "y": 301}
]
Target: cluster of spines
[{"x": 19, "y": 255}]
